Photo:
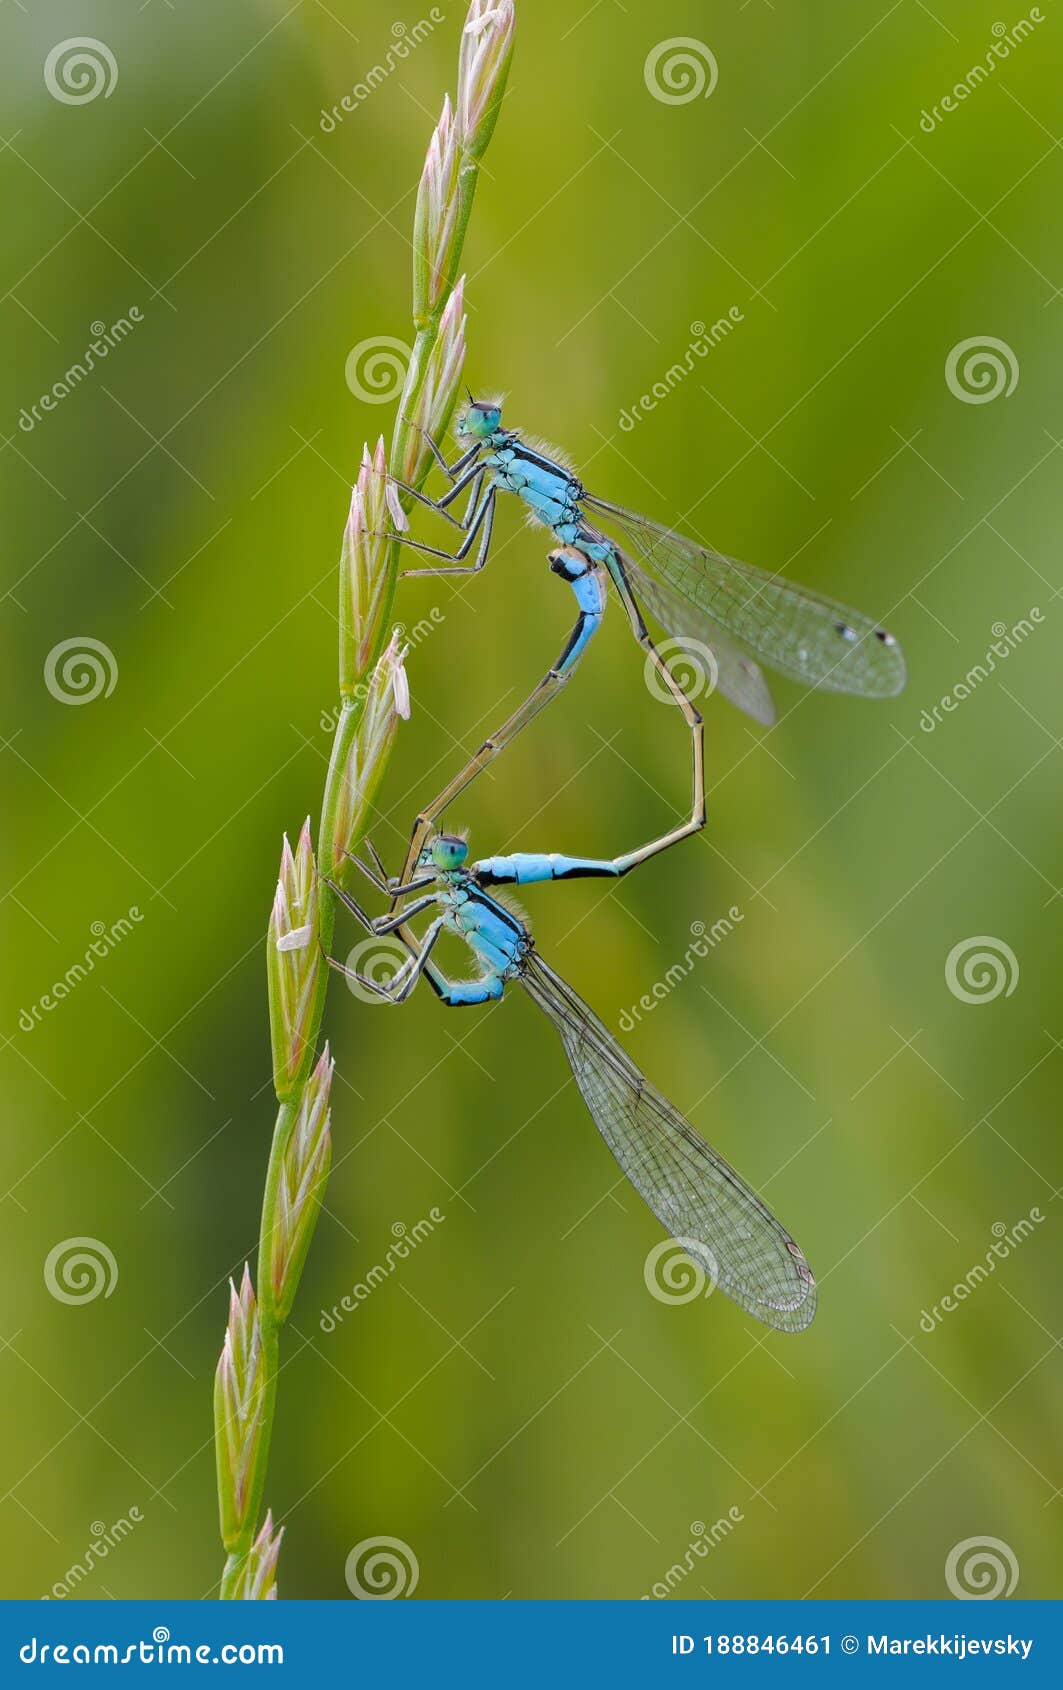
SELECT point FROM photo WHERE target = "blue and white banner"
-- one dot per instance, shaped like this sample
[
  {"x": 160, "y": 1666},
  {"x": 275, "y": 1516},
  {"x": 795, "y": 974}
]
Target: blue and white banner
[{"x": 537, "y": 1643}]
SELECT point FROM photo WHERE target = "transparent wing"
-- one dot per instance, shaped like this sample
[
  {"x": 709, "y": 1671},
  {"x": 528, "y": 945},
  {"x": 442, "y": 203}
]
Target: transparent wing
[
  {"x": 792, "y": 629},
  {"x": 737, "y": 676},
  {"x": 721, "y": 1223}
]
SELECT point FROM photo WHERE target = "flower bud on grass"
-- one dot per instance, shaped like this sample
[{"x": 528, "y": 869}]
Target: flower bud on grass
[
  {"x": 387, "y": 700},
  {"x": 436, "y": 218},
  {"x": 257, "y": 1580},
  {"x": 239, "y": 1402},
  {"x": 438, "y": 390},
  {"x": 363, "y": 568},
  {"x": 486, "y": 49},
  {"x": 303, "y": 1176},
  {"x": 293, "y": 958}
]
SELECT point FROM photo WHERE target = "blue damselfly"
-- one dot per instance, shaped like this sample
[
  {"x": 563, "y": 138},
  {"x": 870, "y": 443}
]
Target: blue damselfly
[
  {"x": 738, "y": 612},
  {"x": 717, "y": 1219}
]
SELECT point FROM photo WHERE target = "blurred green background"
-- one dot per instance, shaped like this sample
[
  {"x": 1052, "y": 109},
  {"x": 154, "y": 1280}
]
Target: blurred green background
[{"x": 513, "y": 1404}]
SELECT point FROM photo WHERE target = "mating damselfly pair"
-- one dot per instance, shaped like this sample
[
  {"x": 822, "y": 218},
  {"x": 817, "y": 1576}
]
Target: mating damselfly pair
[{"x": 740, "y": 614}]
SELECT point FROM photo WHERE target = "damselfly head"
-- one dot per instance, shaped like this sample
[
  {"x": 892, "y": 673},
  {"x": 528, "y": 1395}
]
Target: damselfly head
[
  {"x": 447, "y": 852},
  {"x": 479, "y": 419}
]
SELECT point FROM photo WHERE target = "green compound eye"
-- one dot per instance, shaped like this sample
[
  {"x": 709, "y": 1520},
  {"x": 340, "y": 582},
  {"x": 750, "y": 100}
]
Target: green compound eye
[
  {"x": 480, "y": 419},
  {"x": 448, "y": 853}
]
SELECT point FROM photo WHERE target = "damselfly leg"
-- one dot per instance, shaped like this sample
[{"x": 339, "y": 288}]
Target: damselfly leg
[
  {"x": 691, "y": 715},
  {"x": 473, "y": 479},
  {"x": 449, "y": 470},
  {"x": 393, "y": 886},
  {"x": 397, "y": 988},
  {"x": 588, "y": 583},
  {"x": 456, "y": 994},
  {"x": 477, "y": 522}
]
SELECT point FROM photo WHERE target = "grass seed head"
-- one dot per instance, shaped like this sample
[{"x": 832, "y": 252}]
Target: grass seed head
[{"x": 293, "y": 959}]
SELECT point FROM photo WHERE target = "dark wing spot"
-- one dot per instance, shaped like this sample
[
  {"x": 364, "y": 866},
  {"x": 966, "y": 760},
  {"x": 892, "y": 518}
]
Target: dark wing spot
[
  {"x": 802, "y": 1265},
  {"x": 845, "y": 631},
  {"x": 887, "y": 639}
]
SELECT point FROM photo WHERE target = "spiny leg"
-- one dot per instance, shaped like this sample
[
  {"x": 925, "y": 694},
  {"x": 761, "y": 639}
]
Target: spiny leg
[
  {"x": 402, "y": 982},
  {"x": 473, "y": 479},
  {"x": 460, "y": 463},
  {"x": 413, "y": 946},
  {"x": 377, "y": 860},
  {"x": 483, "y": 517},
  {"x": 525, "y": 869},
  {"x": 380, "y": 924},
  {"x": 546, "y": 689},
  {"x": 589, "y": 587},
  {"x": 398, "y": 987},
  {"x": 421, "y": 962},
  {"x": 691, "y": 715},
  {"x": 391, "y": 885}
]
